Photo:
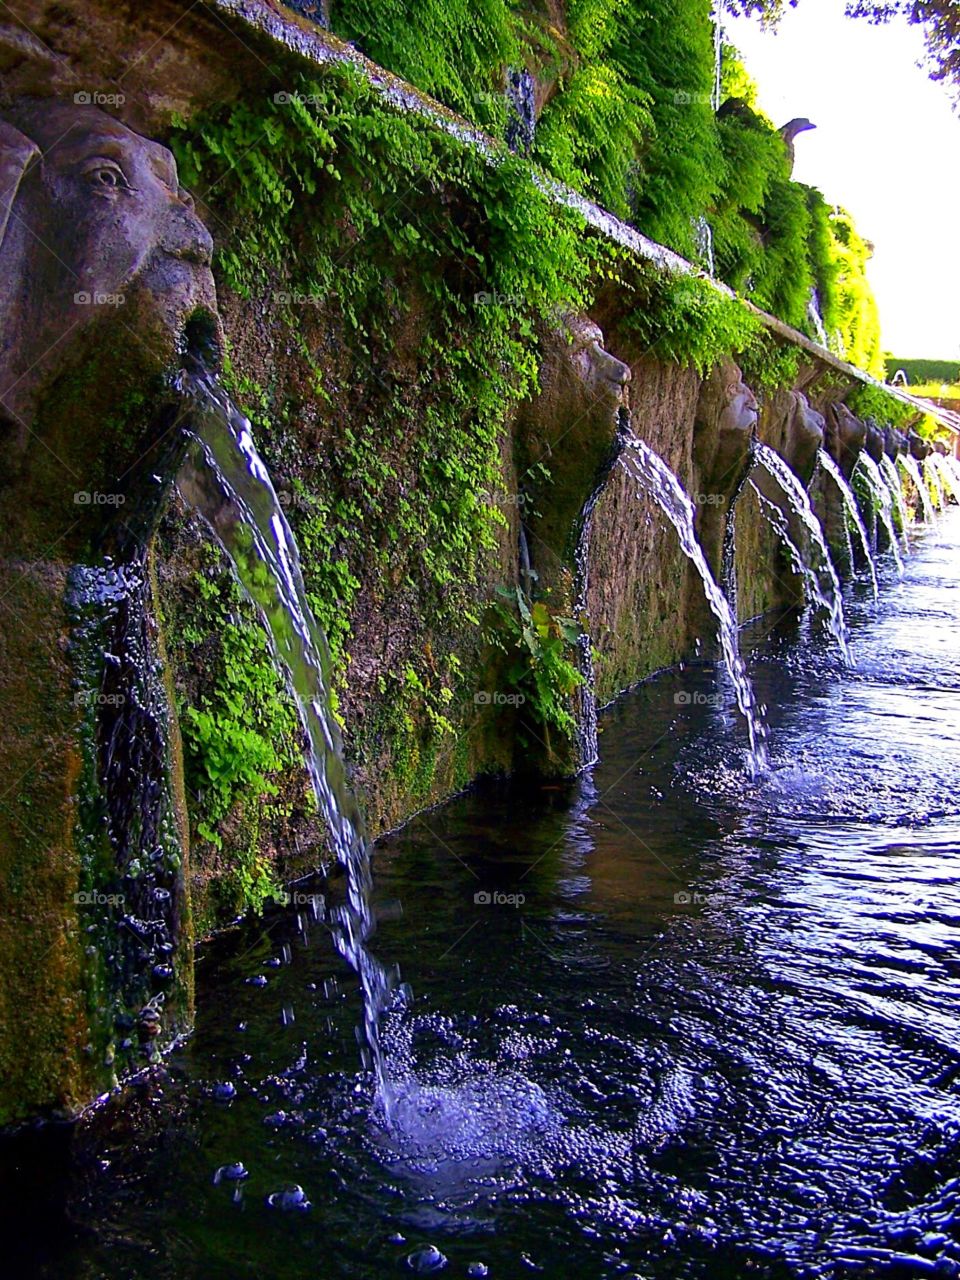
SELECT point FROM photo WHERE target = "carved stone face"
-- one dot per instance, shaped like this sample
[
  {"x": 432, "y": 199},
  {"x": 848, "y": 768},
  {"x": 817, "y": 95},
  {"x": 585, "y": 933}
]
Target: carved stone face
[
  {"x": 918, "y": 447},
  {"x": 740, "y": 409},
  {"x": 846, "y": 435},
  {"x": 727, "y": 413},
  {"x": 98, "y": 235},
  {"x": 894, "y": 442},
  {"x": 597, "y": 369},
  {"x": 874, "y": 442},
  {"x": 805, "y": 433},
  {"x": 573, "y": 429}
]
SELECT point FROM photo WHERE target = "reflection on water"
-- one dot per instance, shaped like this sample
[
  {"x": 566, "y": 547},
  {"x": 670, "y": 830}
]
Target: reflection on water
[{"x": 666, "y": 1021}]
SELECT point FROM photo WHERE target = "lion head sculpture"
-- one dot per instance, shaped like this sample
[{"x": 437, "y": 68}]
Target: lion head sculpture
[
  {"x": 724, "y": 432},
  {"x": 846, "y": 436},
  {"x": 572, "y": 431},
  {"x": 96, "y": 237}
]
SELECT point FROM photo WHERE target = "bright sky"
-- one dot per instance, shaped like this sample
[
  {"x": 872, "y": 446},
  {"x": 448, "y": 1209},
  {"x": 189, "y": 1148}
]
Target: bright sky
[{"x": 879, "y": 120}]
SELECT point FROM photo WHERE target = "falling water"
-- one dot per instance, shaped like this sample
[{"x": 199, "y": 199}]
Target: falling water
[
  {"x": 912, "y": 468},
  {"x": 853, "y": 513},
  {"x": 588, "y": 751},
  {"x": 892, "y": 477},
  {"x": 882, "y": 501},
  {"x": 815, "y": 567},
  {"x": 658, "y": 482},
  {"x": 931, "y": 474},
  {"x": 716, "y": 18},
  {"x": 816, "y": 319},
  {"x": 949, "y": 476},
  {"x": 703, "y": 233},
  {"x": 224, "y": 479}
]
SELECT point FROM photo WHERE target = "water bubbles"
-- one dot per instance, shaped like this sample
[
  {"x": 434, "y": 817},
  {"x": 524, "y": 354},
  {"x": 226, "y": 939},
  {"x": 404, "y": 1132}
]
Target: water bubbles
[
  {"x": 290, "y": 1199},
  {"x": 224, "y": 1091},
  {"x": 426, "y": 1261},
  {"x": 477, "y": 1269},
  {"x": 235, "y": 1172},
  {"x": 258, "y": 980}
]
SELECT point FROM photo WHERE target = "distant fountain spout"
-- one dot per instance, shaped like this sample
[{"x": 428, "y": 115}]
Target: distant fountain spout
[
  {"x": 855, "y": 520},
  {"x": 786, "y": 504},
  {"x": 881, "y": 502},
  {"x": 912, "y": 468},
  {"x": 657, "y": 482},
  {"x": 845, "y": 437}
]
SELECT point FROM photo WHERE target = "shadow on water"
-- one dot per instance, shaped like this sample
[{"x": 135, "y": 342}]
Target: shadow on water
[{"x": 666, "y": 1021}]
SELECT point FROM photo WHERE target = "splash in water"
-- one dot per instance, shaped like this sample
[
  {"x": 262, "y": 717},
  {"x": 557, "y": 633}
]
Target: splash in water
[
  {"x": 854, "y": 519},
  {"x": 658, "y": 482},
  {"x": 807, "y": 547},
  {"x": 224, "y": 479}
]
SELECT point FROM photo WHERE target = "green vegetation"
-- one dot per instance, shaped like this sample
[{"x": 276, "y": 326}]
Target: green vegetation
[
  {"x": 241, "y": 733},
  {"x": 540, "y": 647},
  {"x": 924, "y": 372},
  {"x": 628, "y": 119},
  {"x": 443, "y": 308},
  {"x": 406, "y": 275}
]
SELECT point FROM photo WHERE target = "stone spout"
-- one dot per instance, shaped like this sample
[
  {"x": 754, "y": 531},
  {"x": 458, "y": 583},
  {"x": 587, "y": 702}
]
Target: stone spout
[
  {"x": 846, "y": 436},
  {"x": 105, "y": 275},
  {"x": 568, "y": 440},
  {"x": 875, "y": 444},
  {"x": 105, "y": 280},
  {"x": 919, "y": 448},
  {"x": 724, "y": 433},
  {"x": 894, "y": 442},
  {"x": 804, "y": 438}
]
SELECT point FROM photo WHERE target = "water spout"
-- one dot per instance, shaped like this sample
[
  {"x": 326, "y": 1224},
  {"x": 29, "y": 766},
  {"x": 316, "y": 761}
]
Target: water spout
[
  {"x": 658, "y": 482},
  {"x": 912, "y": 468},
  {"x": 787, "y": 507},
  {"x": 224, "y": 479},
  {"x": 854, "y": 519}
]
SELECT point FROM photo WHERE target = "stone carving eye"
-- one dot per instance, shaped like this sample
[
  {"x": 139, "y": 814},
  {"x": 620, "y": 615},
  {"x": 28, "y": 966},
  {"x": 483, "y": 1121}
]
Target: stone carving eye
[{"x": 106, "y": 175}]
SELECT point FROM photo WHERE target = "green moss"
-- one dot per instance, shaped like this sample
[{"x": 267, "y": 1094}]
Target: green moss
[{"x": 685, "y": 319}]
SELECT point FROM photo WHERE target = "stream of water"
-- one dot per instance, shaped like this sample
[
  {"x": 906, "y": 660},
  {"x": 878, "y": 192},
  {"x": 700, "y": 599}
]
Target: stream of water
[
  {"x": 658, "y": 483},
  {"x": 851, "y": 514},
  {"x": 788, "y": 509},
  {"x": 912, "y": 468},
  {"x": 224, "y": 480}
]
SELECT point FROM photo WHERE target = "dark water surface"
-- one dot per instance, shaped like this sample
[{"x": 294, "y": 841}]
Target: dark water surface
[{"x": 718, "y": 1037}]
